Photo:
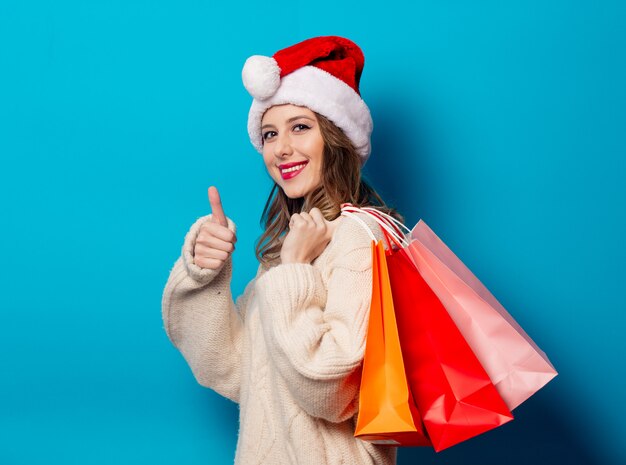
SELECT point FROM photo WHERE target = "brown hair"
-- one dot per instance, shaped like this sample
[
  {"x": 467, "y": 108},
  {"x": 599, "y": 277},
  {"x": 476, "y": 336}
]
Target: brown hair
[{"x": 341, "y": 182}]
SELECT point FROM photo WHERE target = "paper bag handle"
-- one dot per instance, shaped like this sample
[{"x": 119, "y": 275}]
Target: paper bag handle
[{"x": 390, "y": 231}]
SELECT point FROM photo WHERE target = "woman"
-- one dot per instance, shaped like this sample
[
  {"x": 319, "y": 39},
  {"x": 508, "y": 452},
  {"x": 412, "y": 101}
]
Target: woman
[{"x": 290, "y": 349}]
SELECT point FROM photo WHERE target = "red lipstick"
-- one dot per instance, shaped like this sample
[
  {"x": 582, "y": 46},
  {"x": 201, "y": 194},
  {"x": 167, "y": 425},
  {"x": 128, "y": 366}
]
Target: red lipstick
[{"x": 294, "y": 173}]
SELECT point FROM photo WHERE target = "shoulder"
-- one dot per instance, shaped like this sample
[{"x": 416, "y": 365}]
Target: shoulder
[
  {"x": 351, "y": 245},
  {"x": 353, "y": 228}
]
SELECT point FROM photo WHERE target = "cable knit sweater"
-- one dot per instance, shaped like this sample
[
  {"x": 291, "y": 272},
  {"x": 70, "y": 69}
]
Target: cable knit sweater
[{"x": 289, "y": 350}]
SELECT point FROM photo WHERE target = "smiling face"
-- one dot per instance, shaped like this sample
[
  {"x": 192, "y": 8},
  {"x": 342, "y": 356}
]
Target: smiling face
[{"x": 293, "y": 148}]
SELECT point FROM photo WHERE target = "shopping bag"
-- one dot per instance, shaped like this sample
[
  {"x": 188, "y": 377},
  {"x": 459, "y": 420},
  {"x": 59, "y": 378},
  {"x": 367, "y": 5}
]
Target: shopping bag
[
  {"x": 513, "y": 361},
  {"x": 515, "y": 364},
  {"x": 387, "y": 412},
  {"x": 452, "y": 391}
]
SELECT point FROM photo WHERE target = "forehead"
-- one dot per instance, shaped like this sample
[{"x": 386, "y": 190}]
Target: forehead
[{"x": 280, "y": 113}]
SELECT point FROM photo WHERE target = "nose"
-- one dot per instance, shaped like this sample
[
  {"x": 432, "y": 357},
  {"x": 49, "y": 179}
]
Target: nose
[{"x": 282, "y": 145}]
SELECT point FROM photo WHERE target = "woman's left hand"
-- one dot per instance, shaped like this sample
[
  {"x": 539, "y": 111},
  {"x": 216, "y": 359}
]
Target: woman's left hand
[{"x": 308, "y": 236}]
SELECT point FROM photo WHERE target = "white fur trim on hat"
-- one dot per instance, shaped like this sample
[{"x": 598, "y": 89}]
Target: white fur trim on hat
[
  {"x": 261, "y": 76},
  {"x": 325, "y": 94}
]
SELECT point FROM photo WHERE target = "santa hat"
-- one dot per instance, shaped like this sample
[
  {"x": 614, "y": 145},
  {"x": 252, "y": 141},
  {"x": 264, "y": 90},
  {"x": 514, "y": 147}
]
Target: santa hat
[{"x": 321, "y": 74}]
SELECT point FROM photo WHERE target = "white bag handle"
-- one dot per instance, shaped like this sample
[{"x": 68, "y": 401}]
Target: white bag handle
[
  {"x": 389, "y": 217},
  {"x": 367, "y": 228},
  {"x": 350, "y": 210},
  {"x": 391, "y": 231}
]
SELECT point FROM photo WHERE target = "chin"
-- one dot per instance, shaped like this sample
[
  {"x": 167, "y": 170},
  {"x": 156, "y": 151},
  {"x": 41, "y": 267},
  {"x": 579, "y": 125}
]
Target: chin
[
  {"x": 296, "y": 193},
  {"x": 294, "y": 196}
]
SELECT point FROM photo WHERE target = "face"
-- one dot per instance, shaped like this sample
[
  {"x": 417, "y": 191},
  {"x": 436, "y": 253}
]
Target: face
[{"x": 293, "y": 148}]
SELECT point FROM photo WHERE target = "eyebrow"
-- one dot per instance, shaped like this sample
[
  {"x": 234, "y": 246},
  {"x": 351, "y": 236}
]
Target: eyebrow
[{"x": 289, "y": 120}]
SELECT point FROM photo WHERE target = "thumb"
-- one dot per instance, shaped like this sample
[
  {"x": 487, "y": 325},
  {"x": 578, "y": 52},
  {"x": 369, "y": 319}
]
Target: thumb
[
  {"x": 331, "y": 226},
  {"x": 216, "y": 207}
]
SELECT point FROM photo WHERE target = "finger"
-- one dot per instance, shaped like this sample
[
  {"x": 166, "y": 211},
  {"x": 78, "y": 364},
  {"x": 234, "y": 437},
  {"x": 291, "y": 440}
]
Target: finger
[
  {"x": 210, "y": 252},
  {"x": 317, "y": 217},
  {"x": 216, "y": 207},
  {"x": 295, "y": 219},
  {"x": 209, "y": 229},
  {"x": 211, "y": 263},
  {"x": 301, "y": 221},
  {"x": 215, "y": 242},
  {"x": 306, "y": 217}
]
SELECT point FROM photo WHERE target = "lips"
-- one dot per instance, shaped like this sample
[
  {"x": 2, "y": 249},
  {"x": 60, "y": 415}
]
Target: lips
[
  {"x": 289, "y": 165},
  {"x": 294, "y": 173}
]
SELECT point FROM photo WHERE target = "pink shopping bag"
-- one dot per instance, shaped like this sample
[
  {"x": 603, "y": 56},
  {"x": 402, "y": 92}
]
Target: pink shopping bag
[{"x": 515, "y": 364}]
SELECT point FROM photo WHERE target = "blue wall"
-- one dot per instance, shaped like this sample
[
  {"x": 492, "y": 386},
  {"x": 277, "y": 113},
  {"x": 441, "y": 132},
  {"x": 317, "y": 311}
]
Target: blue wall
[{"x": 501, "y": 124}]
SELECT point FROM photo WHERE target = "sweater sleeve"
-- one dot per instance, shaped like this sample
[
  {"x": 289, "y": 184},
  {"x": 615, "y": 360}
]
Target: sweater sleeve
[
  {"x": 201, "y": 319},
  {"x": 316, "y": 330}
]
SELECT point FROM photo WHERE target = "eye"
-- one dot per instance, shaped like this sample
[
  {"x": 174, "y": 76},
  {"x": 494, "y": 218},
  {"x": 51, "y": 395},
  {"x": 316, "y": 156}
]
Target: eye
[
  {"x": 268, "y": 134},
  {"x": 301, "y": 127}
]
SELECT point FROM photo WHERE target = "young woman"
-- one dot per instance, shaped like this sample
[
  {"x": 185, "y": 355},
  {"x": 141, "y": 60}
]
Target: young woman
[{"x": 289, "y": 350}]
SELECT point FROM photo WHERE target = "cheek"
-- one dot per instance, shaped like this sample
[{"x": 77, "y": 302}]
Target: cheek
[
  {"x": 270, "y": 170},
  {"x": 319, "y": 154},
  {"x": 267, "y": 160}
]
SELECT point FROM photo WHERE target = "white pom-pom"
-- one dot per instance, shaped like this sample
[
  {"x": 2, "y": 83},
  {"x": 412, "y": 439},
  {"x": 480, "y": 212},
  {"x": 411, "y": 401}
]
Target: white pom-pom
[{"x": 261, "y": 76}]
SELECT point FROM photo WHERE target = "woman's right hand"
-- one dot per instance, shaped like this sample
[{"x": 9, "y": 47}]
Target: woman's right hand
[{"x": 215, "y": 241}]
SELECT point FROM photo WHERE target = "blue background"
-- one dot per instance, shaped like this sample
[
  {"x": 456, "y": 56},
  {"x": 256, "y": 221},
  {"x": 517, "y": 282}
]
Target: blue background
[{"x": 501, "y": 124}]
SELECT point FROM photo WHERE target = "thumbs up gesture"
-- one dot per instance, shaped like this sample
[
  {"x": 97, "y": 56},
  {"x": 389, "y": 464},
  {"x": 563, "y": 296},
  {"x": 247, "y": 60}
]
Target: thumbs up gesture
[{"x": 215, "y": 241}]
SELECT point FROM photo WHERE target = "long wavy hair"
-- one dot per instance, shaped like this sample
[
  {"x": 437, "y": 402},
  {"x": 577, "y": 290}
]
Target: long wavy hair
[{"x": 342, "y": 182}]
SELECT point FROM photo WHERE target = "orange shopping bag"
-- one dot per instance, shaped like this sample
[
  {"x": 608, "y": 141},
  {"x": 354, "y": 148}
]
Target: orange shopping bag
[{"x": 387, "y": 413}]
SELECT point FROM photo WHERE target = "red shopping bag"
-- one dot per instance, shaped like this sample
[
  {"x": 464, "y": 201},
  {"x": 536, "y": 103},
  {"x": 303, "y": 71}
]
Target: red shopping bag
[
  {"x": 454, "y": 394},
  {"x": 452, "y": 391}
]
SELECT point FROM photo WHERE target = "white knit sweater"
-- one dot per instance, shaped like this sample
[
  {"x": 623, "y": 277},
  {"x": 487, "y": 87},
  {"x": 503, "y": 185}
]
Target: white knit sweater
[{"x": 289, "y": 350}]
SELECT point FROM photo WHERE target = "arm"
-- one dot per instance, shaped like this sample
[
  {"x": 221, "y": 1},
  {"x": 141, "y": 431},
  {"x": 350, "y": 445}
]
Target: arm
[
  {"x": 315, "y": 330},
  {"x": 201, "y": 319}
]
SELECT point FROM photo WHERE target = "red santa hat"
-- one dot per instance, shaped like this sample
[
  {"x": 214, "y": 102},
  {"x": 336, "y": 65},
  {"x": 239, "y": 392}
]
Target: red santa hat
[{"x": 321, "y": 74}]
